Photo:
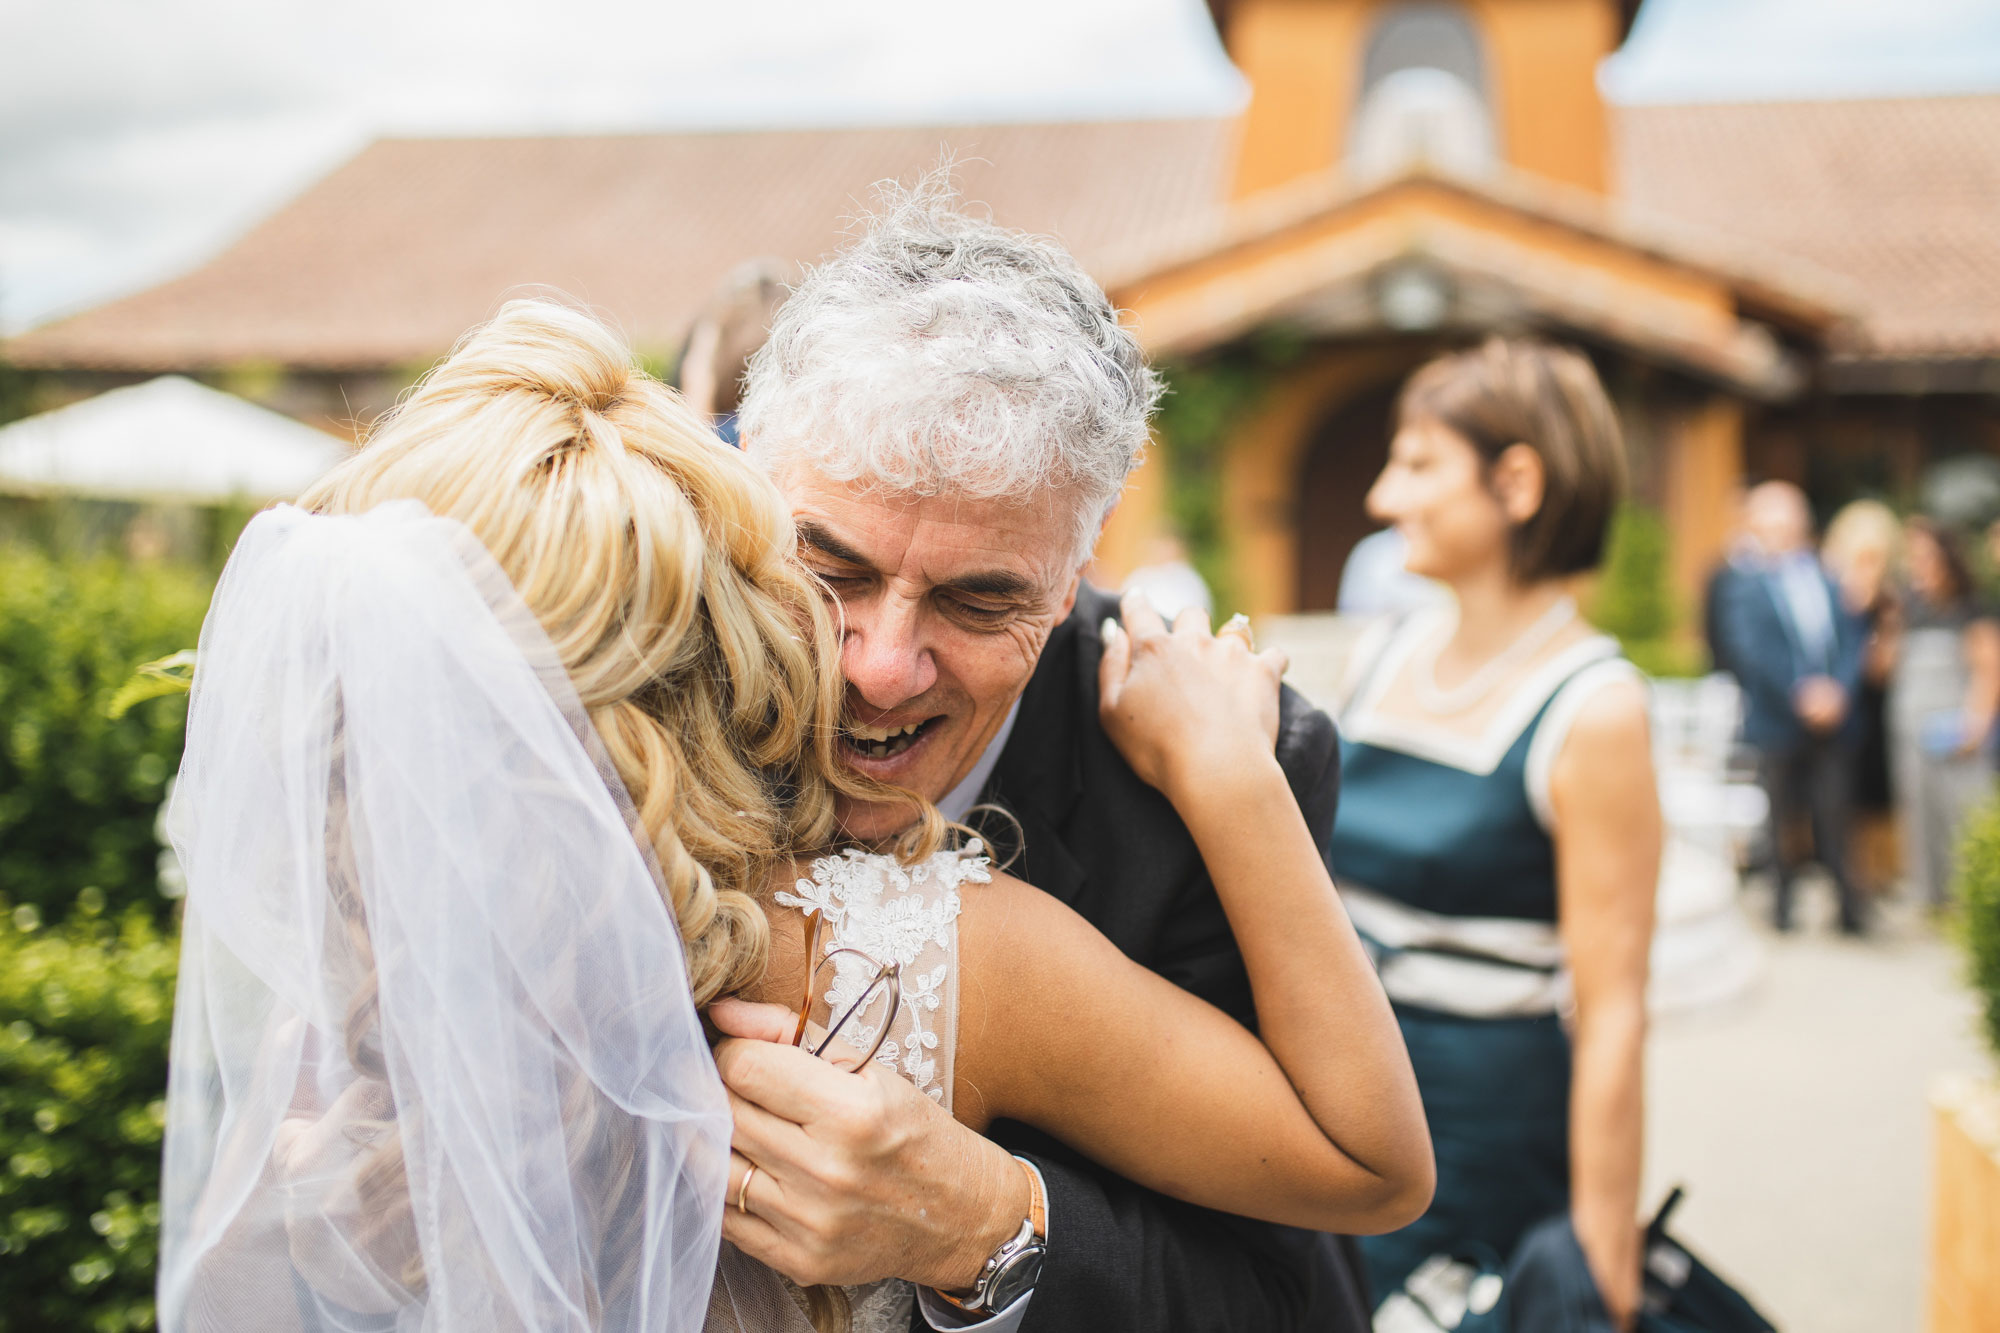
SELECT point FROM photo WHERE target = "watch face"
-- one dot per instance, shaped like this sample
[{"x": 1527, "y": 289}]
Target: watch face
[{"x": 1015, "y": 1279}]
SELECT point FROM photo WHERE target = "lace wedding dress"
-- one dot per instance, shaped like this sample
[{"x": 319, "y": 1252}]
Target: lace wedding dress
[{"x": 891, "y": 913}]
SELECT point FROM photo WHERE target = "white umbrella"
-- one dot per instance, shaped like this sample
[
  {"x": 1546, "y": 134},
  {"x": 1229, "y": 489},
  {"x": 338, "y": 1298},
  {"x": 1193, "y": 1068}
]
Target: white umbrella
[{"x": 169, "y": 439}]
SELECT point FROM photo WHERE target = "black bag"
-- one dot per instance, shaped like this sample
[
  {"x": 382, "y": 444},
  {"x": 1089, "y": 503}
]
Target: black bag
[
  {"x": 1546, "y": 1287},
  {"x": 1682, "y": 1294}
]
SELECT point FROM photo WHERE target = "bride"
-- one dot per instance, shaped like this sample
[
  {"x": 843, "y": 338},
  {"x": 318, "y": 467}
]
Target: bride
[{"x": 512, "y": 749}]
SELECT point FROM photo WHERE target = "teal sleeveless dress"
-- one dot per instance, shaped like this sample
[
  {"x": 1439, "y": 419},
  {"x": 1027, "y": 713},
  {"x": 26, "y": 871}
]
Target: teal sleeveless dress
[{"x": 1444, "y": 856}]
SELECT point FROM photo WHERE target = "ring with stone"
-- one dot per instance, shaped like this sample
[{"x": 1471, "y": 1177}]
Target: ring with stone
[{"x": 1239, "y": 625}]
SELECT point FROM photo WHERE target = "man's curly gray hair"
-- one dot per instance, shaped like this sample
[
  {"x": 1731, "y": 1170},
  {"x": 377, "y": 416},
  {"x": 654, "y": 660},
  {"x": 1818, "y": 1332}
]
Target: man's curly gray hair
[{"x": 940, "y": 354}]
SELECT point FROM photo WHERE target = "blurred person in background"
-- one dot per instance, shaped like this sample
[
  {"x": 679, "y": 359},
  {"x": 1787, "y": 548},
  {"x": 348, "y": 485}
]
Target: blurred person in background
[
  {"x": 725, "y": 336},
  {"x": 1169, "y": 581},
  {"x": 1862, "y": 549},
  {"x": 1498, "y": 836},
  {"x": 1790, "y": 641},
  {"x": 1944, "y": 690},
  {"x": 1374, "y": 581},
  {"x": 1735, "y": 561}
]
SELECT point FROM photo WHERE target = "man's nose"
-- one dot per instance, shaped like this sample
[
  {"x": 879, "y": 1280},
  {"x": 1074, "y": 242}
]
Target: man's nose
[{"x": 884, "y": 656}]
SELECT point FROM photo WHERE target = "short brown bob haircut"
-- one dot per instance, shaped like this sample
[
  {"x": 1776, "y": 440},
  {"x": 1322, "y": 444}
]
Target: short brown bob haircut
[{"x": 1509, "y": 391}]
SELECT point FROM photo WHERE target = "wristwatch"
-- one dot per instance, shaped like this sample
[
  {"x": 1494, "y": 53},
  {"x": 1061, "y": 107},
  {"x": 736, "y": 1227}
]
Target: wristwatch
[{"x": 1011, "y": 1270}]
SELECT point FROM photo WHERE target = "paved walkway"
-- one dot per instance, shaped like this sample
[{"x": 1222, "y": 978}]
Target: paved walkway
[{"x": 1797, "y": 1118}]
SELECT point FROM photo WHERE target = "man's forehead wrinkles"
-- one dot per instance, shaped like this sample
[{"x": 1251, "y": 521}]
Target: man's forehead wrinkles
[
  {"x": 883, "y": 547},
  {"x": 977, "y": 558}
]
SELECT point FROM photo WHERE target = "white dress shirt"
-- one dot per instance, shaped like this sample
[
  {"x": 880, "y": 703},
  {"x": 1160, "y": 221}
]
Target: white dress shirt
[{"x": 1808, "y": 605}]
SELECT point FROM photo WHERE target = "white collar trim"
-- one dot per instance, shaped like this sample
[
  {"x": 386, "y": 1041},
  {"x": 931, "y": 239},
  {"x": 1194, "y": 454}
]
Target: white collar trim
[{"x": 1477, "y": 755}]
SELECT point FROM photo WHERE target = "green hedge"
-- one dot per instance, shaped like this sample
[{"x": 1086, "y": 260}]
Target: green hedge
[
  {"x": 1205, "y": 401},
  {"x": 1633, "y": 600},
  {"x": 79, "y": 791},
  {"x": 1979, "y": 905},
  {"x": 85, "y": 1010}
]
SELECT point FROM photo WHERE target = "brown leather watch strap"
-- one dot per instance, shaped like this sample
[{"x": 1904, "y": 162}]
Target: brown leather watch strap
[{"x": 1038, "y": 1206}]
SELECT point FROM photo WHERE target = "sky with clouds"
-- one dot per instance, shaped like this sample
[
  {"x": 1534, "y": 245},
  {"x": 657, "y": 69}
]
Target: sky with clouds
[{"x": 139, "y": 136}]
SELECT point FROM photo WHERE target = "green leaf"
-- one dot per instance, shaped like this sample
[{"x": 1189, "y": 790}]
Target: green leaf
[{"x": 172, "y": 674}]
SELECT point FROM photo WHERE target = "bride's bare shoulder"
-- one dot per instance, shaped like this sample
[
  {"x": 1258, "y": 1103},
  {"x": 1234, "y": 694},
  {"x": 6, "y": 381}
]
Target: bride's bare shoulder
[
  {"x": 1026, "y": 960},
  {"x": 1008, "y": 926}
]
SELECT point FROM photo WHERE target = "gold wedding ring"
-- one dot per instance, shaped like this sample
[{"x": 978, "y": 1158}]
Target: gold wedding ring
[
  {"x": 1239, "y": 625},
  {"x": 743, "y": 1191}
]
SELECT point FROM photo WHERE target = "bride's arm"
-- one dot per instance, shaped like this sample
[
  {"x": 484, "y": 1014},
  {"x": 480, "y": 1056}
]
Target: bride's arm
[{"x": 1317, "y": 1125}]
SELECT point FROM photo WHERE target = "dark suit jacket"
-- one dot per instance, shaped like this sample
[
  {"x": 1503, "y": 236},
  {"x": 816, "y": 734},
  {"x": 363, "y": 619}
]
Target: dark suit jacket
[
  {"x": 1757, "y": 639},
  {"x": 1721, "y": 585},
  {"x": 1095, "y": 836}
]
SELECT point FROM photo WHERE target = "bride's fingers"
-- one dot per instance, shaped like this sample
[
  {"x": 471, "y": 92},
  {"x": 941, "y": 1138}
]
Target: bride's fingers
[
  {"x": 1142, "y": 622},
  {"x": 1277, "y": 660},
  {"x": 1115, "y": 664},
  {"x": 1192, "y": 622}
]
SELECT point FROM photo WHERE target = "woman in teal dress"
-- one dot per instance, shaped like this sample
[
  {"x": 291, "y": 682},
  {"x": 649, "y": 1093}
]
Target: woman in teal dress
[{"x": 1498, "y": 839}]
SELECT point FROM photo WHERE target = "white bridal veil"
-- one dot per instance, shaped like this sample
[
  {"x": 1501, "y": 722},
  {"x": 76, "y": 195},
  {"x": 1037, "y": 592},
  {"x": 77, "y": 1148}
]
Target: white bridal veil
[{"x": 435, "y": 1063}]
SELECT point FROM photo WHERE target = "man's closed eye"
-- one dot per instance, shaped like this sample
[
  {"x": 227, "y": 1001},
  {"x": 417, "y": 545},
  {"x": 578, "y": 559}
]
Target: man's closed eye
[{"x": 979, "y": 615}]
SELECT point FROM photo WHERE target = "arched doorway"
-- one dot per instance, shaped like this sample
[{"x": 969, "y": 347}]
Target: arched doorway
[{"x": 1343, "y": 456}]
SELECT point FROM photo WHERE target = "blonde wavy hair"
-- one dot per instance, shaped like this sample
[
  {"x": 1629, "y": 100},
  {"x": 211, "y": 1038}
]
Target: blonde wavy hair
[{"x": 660, "y": 563}]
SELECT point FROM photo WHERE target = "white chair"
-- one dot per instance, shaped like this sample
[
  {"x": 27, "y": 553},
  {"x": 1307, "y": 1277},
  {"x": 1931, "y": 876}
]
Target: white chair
[{"x": 1704, "y": 951}]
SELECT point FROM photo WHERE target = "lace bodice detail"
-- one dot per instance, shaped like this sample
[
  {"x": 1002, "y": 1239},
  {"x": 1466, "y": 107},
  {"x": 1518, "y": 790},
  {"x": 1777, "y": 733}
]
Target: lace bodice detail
[
  {"x": 896, "y": 914},
  {"x": 893, "y": 913}
]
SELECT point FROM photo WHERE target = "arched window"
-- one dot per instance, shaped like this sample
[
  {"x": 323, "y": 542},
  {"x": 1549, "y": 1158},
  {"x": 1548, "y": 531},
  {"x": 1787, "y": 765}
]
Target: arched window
[{"x": 1425, "y": 98}]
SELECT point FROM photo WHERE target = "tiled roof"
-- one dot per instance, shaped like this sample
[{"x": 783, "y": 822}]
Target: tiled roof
[
  {"x": 1900, "y": 196},
  {"x": 1280, "y": 253},
  {"x": 388, "y": 259},
  {"x": 384, "y": 262},
  {"x": 1769, "y": 283}
]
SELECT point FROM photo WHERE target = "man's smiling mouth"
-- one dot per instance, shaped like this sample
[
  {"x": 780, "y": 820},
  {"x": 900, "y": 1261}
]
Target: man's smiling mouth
[{"x": 885, "y": 742}]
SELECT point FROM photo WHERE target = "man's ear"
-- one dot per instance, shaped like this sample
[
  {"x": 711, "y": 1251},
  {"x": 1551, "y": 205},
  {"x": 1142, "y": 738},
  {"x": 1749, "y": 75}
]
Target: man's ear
[
  {"x": 1519, "y": 481},
  {"x": 1069, "y": 598}
]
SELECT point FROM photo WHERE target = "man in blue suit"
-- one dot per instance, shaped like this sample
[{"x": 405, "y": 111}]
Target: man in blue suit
[{"x": 1796, "y": 651}]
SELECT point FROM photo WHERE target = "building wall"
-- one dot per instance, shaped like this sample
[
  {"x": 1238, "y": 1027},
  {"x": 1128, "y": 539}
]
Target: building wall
[
  {"x": 1545, "y": 55},
  {"x": 1844, "y": 447},
  {"x": 1702, "y": 478},
  {"x": 1303, "y": 61}
]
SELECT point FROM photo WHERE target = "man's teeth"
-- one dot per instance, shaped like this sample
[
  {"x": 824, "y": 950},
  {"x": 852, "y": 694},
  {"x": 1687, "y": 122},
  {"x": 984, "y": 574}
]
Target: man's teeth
[
  {"x": 881, "y": 742},
  {"x": 882, "y": 733}
]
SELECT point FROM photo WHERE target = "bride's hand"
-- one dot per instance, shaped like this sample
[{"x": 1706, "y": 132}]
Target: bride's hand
[{"x": 1184, "y": 705}]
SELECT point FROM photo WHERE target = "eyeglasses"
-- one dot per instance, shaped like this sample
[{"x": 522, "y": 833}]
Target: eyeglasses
[{"x": 884, "y": 987}]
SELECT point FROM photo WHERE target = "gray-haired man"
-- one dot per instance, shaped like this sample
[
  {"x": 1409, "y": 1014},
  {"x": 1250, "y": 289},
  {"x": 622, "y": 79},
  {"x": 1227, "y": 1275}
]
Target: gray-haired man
[{"x": 952, "y": 409}]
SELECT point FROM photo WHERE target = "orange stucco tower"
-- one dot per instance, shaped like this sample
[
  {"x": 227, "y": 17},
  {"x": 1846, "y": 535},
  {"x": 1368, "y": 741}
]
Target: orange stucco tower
[
  {"x": 1414, "y": 175},
  {"x": 1364, "y": 85}
]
